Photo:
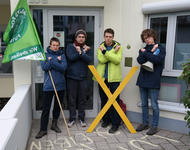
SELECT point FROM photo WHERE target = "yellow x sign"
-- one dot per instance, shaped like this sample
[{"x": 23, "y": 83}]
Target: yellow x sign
[{"x": 112, "y": 99}]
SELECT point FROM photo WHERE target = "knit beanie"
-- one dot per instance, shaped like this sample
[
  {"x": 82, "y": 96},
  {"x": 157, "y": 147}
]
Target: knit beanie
[{"x": 80, "y": 31}]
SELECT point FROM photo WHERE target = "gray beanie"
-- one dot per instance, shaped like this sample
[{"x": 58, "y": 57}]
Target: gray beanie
[{"x": 80, "y": 31}]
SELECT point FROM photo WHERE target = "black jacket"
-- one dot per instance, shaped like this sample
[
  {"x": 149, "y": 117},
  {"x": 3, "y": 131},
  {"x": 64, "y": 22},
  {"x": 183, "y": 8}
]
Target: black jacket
[
  {"x": 77, "y": 64},
  {"x": 148, "y": 79}
]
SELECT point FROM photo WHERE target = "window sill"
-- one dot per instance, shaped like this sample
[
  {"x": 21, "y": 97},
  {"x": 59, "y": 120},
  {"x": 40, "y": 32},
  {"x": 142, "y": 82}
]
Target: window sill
[
  {"x": 7, "y": 75},
  {"x": 175, "y": 73},
  {"x": 169, "y": 106}
]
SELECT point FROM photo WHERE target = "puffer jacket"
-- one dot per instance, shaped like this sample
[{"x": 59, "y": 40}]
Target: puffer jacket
[
  {"x": 113, "y": 59},
  {"x": 57, "y": 68}
]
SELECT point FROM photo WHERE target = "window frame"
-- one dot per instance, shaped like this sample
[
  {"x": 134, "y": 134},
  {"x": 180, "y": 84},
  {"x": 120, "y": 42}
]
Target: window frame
[{"x": 170, "y": 41}]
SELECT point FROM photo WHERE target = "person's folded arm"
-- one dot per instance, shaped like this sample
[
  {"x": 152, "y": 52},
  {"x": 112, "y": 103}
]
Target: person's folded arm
[
  {"x": 87, "y": 56},
  {"x": 45, "y": 65},
  {"x": 114, "y": 56},
  {"x": 101, "y": 57},
  {"x": 141, "y": 59},
  {"x": 60, "y": 65},
  {"x": 156, "y": 59},
  {"x": 72, "y": 54}
]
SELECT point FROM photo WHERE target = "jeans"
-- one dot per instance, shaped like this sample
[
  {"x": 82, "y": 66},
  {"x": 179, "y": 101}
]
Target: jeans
[
  {"x": 47, "y": 100},
  {"x": 153, "y": 95},
  {"x": 111, "y": 115}
]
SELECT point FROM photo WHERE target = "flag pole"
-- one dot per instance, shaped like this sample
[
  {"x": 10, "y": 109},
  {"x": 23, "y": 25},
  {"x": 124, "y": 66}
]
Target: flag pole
[{"x": 59, "y": 103}]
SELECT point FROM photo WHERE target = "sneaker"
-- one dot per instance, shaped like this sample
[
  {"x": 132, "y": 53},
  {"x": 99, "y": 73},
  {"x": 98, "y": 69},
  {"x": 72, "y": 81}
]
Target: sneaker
[
  {"x": 152, "y": 131},
  {"x": 141, "y": 127},
  {"x": 82, "y": 123},
  {"x": 113, "y": 129},
  {"x": 40, "y": 134},
  {"x": 71, "y": 123},
  {"x": 105, "y": 124}
]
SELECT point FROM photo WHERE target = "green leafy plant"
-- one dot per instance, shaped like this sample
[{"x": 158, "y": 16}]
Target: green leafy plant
[{"x": 186, "y": 98}]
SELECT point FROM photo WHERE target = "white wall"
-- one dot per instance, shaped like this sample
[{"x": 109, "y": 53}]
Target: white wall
[
  {"x": 113, "y": 17},
  {"x": 18, "y": 112},
  {"x": 132, "y": 25},
  {"x": 22, "y": 72},
  {"x": 7, "y": 86},
  {"x": 7, "y": 137}
]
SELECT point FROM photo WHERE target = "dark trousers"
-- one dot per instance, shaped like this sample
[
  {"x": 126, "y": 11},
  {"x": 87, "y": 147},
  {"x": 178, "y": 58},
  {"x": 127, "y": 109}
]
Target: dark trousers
[
  {"x": 47, "y": 100},
  {"x": 111, "y": 115},
  {"x": 76, "y": 90}
]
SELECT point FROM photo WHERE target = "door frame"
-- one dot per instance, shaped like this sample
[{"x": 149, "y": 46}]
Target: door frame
[{"x": 48, "y": 14}]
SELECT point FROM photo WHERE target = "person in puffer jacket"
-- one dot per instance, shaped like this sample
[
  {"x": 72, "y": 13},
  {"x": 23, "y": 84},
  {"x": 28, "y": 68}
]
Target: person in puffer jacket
[
  {"x": 109, "y": 55},
  {"x": 149, "y": 82},
  {"x": 55, "y": 63}
]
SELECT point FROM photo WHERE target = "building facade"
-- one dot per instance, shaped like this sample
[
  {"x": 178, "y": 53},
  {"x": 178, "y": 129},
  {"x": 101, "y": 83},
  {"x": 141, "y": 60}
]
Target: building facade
[{"x": 170, "y": 19}]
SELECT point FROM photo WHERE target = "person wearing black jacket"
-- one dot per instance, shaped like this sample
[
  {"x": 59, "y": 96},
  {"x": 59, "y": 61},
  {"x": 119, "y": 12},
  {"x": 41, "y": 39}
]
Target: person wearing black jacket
[
  {"x": 79, "y": 56},
  {"x": 149, "y": 82}
]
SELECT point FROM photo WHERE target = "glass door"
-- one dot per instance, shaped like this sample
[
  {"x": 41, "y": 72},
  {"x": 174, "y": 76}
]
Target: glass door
[{"x": 64, "y": 28}]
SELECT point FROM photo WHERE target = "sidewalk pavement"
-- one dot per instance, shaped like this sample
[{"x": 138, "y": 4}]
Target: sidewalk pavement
[{"x": 100, "y": 139}]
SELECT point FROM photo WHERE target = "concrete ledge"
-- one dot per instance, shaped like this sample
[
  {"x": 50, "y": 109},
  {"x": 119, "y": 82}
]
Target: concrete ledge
[
  {"x": 19, "y": 107},
  {"x": 7, "y": 136}
]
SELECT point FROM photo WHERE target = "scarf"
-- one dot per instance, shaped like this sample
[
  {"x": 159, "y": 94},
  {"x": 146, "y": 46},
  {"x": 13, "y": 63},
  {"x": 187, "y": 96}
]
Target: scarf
[{"x": 79, "y": 44}]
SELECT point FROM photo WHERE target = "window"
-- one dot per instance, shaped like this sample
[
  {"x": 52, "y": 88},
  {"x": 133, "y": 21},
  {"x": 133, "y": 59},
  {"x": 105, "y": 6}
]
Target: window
[
  {"x": 5, "y": 69},
  {"x": 173, "y": 33}
]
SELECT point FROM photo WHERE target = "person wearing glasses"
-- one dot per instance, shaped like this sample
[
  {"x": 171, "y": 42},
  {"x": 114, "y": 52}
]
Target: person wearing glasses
[{"x": 149, "y": 81}]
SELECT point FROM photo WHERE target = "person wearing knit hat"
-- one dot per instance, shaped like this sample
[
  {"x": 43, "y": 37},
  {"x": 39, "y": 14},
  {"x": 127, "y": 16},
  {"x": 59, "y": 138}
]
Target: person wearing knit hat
[
  {"x": 79, "y": 56},
  {"x": 80, "y": 31}
]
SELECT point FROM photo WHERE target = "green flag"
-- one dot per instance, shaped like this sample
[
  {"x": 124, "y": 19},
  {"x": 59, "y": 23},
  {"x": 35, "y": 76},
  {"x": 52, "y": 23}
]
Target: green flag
[{"x": 21, "y": 36}]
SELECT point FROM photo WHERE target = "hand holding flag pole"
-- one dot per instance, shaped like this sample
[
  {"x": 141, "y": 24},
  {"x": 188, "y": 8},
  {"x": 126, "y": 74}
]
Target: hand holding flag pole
[{"x": 59, "y": 103}]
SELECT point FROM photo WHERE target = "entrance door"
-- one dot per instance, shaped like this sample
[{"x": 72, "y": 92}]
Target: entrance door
[{"x": 63, "y": 23}]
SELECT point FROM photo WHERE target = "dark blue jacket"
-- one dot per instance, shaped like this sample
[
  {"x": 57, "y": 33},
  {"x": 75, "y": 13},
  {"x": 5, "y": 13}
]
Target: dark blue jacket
[
  {"x": 57, "y": 69},
  {"x": 147, "y": 79},
  {"x": 77, "y": 64}
]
